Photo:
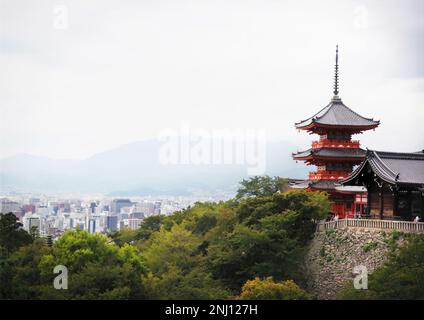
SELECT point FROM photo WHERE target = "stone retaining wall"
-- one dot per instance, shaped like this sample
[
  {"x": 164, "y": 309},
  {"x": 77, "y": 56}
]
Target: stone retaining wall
[{"x": 333, "y": 254}]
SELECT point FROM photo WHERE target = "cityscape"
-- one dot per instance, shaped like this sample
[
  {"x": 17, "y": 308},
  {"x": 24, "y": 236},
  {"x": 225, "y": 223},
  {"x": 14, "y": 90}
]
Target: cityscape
[{"x": 52, "y": 215}]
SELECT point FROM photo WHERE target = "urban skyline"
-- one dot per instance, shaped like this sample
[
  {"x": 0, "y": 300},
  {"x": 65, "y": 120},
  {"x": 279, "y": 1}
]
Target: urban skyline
[{"x": 53, "y": 215}]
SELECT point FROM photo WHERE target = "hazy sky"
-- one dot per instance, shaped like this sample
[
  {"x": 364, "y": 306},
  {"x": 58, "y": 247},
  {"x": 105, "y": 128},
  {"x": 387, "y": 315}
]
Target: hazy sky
[{"x": 80, "y": 77}]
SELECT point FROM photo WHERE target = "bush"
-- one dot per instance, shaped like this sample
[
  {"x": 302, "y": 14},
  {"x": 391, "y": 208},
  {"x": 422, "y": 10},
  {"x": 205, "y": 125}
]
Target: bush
[
  {"x": 268, "y": 289},
  {"x": 369, "y": 246}
]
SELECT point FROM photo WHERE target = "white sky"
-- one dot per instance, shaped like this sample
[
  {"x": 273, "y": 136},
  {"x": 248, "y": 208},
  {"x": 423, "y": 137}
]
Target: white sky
[{"x": 124, "y": 71}]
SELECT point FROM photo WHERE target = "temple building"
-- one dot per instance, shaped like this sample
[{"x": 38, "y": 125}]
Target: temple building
[
  {"x": 335, "y": 153},
  {"x": 395, "y": 184}
]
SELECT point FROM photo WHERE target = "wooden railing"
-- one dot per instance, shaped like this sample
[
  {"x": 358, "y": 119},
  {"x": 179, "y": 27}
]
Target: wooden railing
[
  {"x": 328, "y": 175},
  {"x": 331, "y": 143},
  {"x": 405, "y": 226}
]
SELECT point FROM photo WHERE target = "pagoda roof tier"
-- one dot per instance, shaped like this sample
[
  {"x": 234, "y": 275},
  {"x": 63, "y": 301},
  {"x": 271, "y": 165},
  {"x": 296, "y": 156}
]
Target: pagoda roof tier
[
  {"x": 392, "y": 167},
  {"x": 299, "y": 184},
  {"x": 336, "y": 115},
  {"x": 354, "y": 154},
  {"x": 326, "y": 185}
]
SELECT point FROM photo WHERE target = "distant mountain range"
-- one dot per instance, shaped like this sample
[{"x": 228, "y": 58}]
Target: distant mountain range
[{"x": 135, "y": 169}]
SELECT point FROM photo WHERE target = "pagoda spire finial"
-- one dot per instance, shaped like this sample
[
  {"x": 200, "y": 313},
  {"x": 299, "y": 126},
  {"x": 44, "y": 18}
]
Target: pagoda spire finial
[{"x": 336, "y": 73}]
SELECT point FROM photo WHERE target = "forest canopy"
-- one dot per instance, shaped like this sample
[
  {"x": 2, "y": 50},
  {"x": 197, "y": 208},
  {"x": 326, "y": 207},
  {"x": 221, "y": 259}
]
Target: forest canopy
[{"x": 250, "y": 247}]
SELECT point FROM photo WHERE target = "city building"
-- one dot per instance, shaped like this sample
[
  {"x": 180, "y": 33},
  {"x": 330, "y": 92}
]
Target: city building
[
  {"x": 52, "y": 215},
  {"x": 137, "y": 215},
  {"x": 118, "y": 204},
  {"x": 111, "y": 223},
  {"x": 32, "y": 221},
  {"x": 28, "y": 208},
  {"x": 134, "y": 224},
  {"x": 92, "y": 225},
  {"x": 93, "y": 207},
  {"x": 7, "y": 206}
]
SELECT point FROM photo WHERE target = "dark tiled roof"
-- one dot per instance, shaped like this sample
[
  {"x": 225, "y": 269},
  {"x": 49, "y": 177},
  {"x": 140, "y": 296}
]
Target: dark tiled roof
[
  {"x": 337, "y": 114},
  {"x": 298, "y": 184},
  {"x": 320, "y": 184},
  {"x": 324, "y": 184},
  {"x": 355, "y": 189},
  {"x": 332, "y": 153},
  {"x": 394, "y": 167}
]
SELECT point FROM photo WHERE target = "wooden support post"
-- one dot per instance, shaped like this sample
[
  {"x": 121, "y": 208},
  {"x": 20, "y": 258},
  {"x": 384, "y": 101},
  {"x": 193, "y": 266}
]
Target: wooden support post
[
  {"x": 368, "y": 201},
  {"x": 395, "y": 203},
  {"x": 381, "y": 203},
  {"x": 422, "y": 205}
]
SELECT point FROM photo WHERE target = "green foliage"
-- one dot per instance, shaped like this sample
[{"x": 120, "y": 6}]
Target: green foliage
[
  {"x": 177, "y": 270},
  {"x": 20, "y": 278},
  {"x": 402, "y": 277},
  {"x": 369, "y": 246},
  {"x": 207, "y": 251},
  {"x": 177, "y": 284},
  {"x": 12, "y": 236},
  {"x": 265, "y": 237},
  {"x": 98, "y": 268},
  {"x": 260, "y": 186},
  {"x": 302, "y": 211},
  {"x": 230, "y": 243},
  {"x": 204, "y": 223},
  {"x": 199, "y": 219},
  {"x": 149, "y": 226},
  {"x": 395, "y": 235},
  {"x": 124, "y": 236},
  {"x": 268, "y": 289},
  {"x": 238, "y": 256},
  {"x": 174, "y": 247},
  {"x": 34, "y": 232}
]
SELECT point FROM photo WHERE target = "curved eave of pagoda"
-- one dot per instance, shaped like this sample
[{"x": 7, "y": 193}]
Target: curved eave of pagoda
[
  {"x": 335, "y": 154},
  {"x": 323, "y": 185},
  {"x": 313, "y": 158},
  {"x": 316, "y": 126},
  {"x": 322, "y": 190}
]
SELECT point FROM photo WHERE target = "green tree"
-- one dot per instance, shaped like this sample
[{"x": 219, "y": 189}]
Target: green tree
[
  {"x": 20, "y": 277},
  {"x": 303, "y": 210},
  {"x": 207, "y": 251},
  {"x": 34, "y": 232},
  {"x": 150, "y": 225},
  {"x": 268, "y": 289},
  {"x": 12, "y": 236},
  {"x": 247, "y": 252},
  {"x": 176, "y": 267},
  {"x": 260, "y": 186},
  {"x": 267, "y": 236},
  {"x": 124, "y": 236},
  {"x": 97, "y": 268}
]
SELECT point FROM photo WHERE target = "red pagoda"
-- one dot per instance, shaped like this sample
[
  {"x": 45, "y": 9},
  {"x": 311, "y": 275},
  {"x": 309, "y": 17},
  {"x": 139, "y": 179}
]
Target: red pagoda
[{"x": 335, "y": 153}]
